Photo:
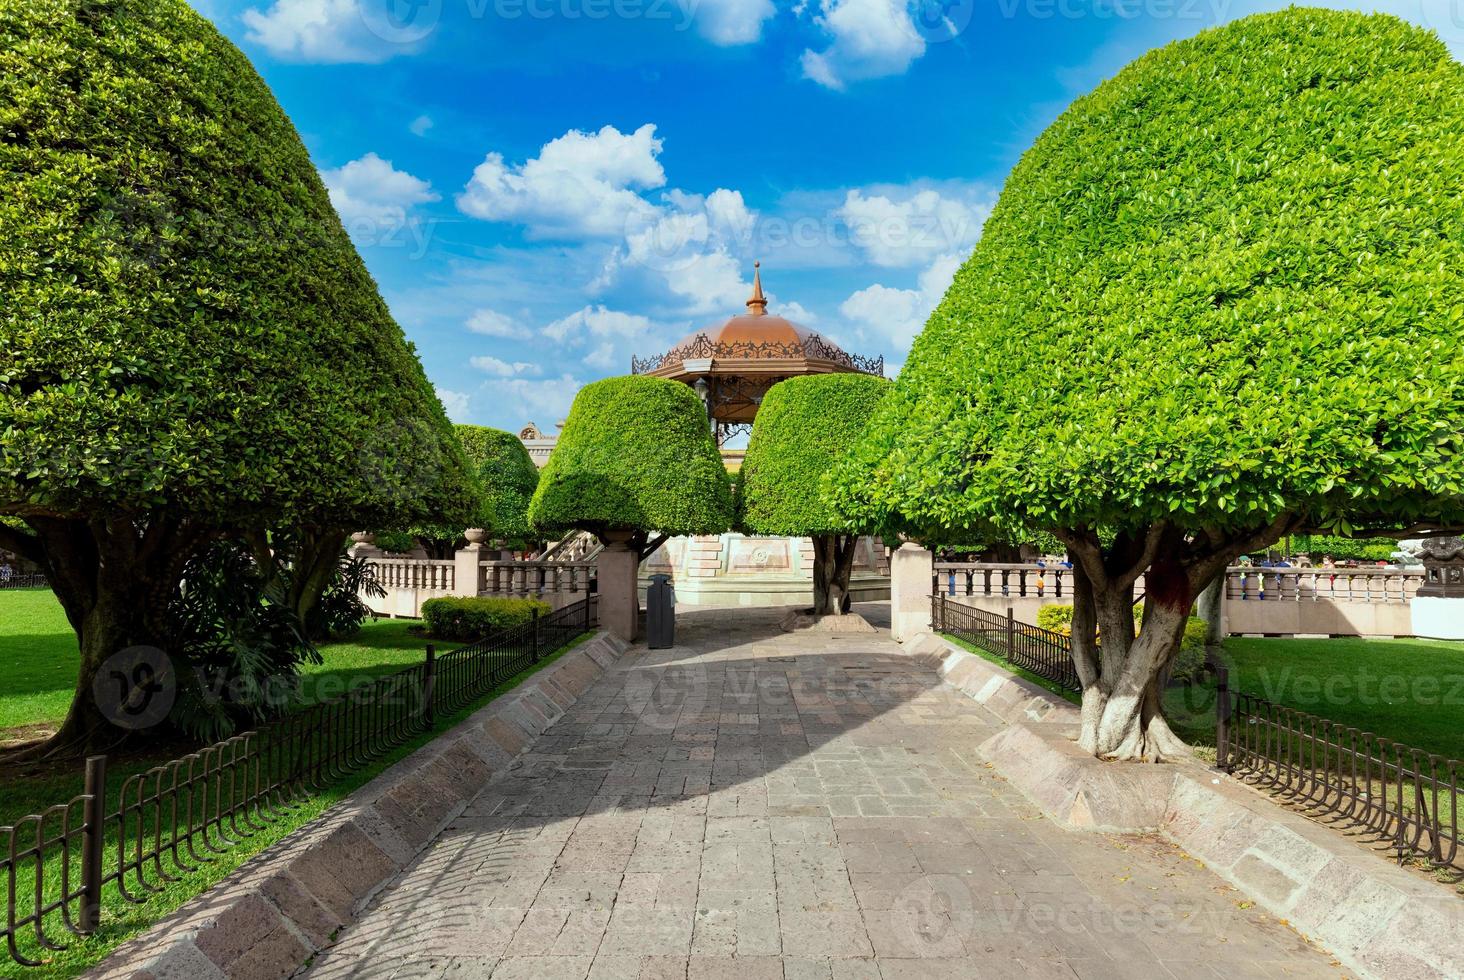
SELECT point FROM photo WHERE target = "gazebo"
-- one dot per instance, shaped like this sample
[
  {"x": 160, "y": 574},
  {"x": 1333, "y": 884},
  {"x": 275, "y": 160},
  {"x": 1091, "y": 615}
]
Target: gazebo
[{"x": 733, "y": 364}]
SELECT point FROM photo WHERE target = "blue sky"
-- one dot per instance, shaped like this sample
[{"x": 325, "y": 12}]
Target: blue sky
[{"x": 544, "y": 187}]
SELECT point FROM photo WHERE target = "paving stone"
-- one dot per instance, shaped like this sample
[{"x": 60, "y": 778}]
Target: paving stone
[{"x": 758, "y": 804}]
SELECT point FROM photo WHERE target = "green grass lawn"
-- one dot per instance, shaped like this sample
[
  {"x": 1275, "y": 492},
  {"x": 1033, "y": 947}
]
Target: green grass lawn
[
  {"x": 381, "y": 647},
  {"x": 1411, "y": 691},
  {"x": 38, "y": 659}
]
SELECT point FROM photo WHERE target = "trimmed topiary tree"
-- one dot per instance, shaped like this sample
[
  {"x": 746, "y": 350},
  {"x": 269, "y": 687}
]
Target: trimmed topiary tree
[
  {"x": 803, "y": 427},
  {"x": 1217, "y": 302},
  {"x": 508, "y": 477},
  {"x": 193, "y": 348},
  {"x": 636, "y": 455}
]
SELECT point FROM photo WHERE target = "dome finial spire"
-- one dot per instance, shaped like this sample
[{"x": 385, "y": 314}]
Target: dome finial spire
[{"x": 757, "y": 303}]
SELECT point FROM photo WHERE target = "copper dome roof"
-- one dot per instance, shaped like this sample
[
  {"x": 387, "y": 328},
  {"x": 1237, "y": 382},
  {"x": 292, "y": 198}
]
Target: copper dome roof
[{"x": 754, "y": 343}]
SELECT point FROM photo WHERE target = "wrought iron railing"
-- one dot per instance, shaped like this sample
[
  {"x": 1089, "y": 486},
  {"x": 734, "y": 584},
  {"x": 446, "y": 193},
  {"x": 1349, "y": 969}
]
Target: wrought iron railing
[
  {"x": 173, "y": 819},
  {"x": 1402, "y": 798},
  {"x": 35, "y": 581},
  {"x": 1042, "y": 652}
]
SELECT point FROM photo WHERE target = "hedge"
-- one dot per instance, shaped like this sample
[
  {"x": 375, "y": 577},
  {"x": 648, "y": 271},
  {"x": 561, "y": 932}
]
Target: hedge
[
  {"x": 804, "y": 427},
  {"x": 186, "y": 324},
  {"x": 508, "y": 477},
  {"x": 471, "y": 618},
  {"x": 636, "y": 454},
  {"x": 1221, "y": 287}
]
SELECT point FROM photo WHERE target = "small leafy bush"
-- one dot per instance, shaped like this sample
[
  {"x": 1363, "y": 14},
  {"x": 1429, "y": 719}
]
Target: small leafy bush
[
  {"x": 1056, "y": 618},
  {"x": 474, "y": 617}
]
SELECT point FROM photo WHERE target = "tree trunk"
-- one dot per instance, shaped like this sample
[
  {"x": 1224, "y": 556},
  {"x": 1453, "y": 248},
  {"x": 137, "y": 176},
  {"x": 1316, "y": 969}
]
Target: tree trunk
[
  {"x": 833, "y": 564},
  {"x": 114, "y": 580},
  {"x": 315, "y": 565},
  {"x": 1123, "y": 716}
]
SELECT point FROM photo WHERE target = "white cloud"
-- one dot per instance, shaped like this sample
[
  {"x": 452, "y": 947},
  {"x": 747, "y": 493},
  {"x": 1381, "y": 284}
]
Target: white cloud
[
  {"x": 336, "y": 31},
  {"x": 370, "y": 193},
  {"x": 420, "y": 125},
  {"x": 729, "y": 22},
  {"x": 520, "y": 400},
  {"x": 913, "y": 228},
  {"x": 867, "y": 39},
  {"x": 491, "y": 323},
  {"x": 581, "y": 185},
  {"x": 597, "y": 322},
  {"x": 898, "y": 315},
  {"x": 503, "y": 369},
  {"x": 792, "y": 310},
  {"x": 455, "y": 403}
]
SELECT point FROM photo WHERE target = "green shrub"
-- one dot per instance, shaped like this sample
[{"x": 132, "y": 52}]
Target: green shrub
[
  {"x": 1237, "y": 224},
  {"x": 472, "y": 618},
  {"x": 508, "y": 475},
  {"x": 1056, "y": 618},
  {"x": 804, "y": 426},
  {"x": 636, "y": 454},
  {"x": 1317, "y": 546}
]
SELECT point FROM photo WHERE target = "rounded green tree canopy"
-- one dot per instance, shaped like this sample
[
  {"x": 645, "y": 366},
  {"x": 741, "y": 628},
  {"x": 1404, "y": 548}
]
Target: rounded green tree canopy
[
  {"x": 804, "y": 427},
  {"x": 507, "y": 474},
  {"x": 185, "y": 323},
  {"x": 1222, "y": 287},
  {"x": 636, "y": 454}
]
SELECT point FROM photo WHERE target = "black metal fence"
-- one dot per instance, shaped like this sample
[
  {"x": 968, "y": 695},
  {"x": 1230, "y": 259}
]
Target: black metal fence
[
  {"x": 174, "y": 818},
  {"x": 1042, "y": 652},
  {"x": 1400, "y": 797},
  {"x": 35, "y": 581}
]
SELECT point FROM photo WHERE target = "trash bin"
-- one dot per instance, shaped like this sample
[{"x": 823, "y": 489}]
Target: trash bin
[{"x": 660, "y": 613}]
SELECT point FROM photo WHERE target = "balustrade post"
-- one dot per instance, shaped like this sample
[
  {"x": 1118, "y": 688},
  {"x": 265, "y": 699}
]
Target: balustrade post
[{"x": 93, "y": 836}]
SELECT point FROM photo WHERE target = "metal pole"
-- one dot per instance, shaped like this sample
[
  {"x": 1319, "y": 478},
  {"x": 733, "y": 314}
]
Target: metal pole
[
  {"x": 534, "y": 631},
  {"x": 1011, "y": 637},
  {"x": 429, "y": 685},
  {"x": 1223, "y": 713},
  {"x": 92, "y": 837}
]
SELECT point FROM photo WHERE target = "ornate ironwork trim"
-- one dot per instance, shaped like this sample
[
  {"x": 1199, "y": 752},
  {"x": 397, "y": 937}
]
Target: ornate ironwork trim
[{"x": 701, "y": 347}]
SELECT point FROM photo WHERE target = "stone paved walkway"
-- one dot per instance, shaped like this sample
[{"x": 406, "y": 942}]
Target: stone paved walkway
[{"x": 758, "y": 805}]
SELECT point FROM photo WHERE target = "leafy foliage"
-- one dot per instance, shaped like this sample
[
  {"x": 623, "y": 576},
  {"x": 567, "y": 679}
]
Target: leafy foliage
[
  {"x": 636, "y": 454},
  {"x": 186, "y": 324},
  {"x": 1216, "y": 290},
  {"x": 804, "y": 426},
  {"x": 474, "y": 617},
  {"x": 341, "y": 610},
  {"x": 508, "y": 477},
  {"x": 236, "y": 645},
  {"x": 1360, "y": 549}
]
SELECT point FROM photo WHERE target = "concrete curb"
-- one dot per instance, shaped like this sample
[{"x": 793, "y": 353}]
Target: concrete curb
[
  {"x": 1010, "y": 698},
  {"x": 264, "y": 921},
  {"x": 1379, "y": 920}
]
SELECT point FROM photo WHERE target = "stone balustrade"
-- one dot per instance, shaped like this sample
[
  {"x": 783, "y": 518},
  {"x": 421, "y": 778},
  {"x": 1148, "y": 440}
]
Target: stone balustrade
[
  {"x": 1363, "y": 584},
  {"x": 535, "y": 578},
  {"x": 414, "y": 574},
  {"x": 1362, "y": 601}
]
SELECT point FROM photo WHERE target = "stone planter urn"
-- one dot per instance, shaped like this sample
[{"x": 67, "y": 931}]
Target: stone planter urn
[
  {"x": 476, "y": 535},
  {"x": 1437, "y": 610}
]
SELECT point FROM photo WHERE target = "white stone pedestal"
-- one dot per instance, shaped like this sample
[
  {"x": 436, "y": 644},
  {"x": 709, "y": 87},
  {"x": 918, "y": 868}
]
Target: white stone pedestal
[{"x": 1438, "y": 618}]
